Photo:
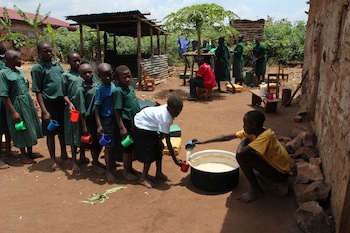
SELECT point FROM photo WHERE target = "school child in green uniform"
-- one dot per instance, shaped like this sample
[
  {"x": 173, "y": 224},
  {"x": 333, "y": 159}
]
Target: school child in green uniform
[
  {"x": 105, "y": 118},
  {"x": 47, "y": 84},
  {"x": 3, "y": 123},
  {"x": 125, "y": 105},
  {"x": 88, "y": 120},
  {"x": 74, "y": 98},
  {"x": 19, "y": 106}
]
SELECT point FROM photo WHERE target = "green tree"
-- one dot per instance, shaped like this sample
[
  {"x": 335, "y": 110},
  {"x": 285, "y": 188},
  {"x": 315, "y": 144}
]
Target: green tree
[
  {"x": 16, "y": 40},
  {"x": 200, "y": 17},
  {"x": 36, "y": 23}
]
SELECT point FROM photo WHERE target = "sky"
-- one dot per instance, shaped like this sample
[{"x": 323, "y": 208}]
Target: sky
[{"x": 292, "y": 10}]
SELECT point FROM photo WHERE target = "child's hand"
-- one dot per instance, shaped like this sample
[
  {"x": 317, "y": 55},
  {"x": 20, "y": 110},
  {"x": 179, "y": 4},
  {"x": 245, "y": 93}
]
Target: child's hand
[
  {"x": 123, "y": 132},
  {"x": 71, "y": 107},
  {"x": 197, "y": 141},
  {"x": 100, "y": 131},
  {"x": 47, "y": 116},
  {"x": 16, "y": 117},
  {"x": 178, "y": 162}
]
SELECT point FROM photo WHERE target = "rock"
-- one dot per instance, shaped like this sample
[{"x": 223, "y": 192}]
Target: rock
[
  {"x": 315, "y": 161},
  {"x": 312, "y": 219},
  {"x": 297, "y": 130},
  {"x": 293, "y": 145},
  {"x": 316, "y": 191},
  {"x": 279, "y": 188},
  {"x": 298, "y": 118},
  {"x": 309, "y": 139},
  {"x": 304, "y": 153},
  {"x": 308, "y": 173}
]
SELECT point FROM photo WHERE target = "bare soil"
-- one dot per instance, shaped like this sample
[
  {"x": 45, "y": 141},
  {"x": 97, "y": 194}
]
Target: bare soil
[{"x": 35, "y": 199}]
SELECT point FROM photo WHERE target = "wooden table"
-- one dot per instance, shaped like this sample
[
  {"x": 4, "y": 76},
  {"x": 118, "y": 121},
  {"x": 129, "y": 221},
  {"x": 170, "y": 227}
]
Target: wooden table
[
  {"x": 269, "y": 105},
  {"x": 187, "y": 63}
]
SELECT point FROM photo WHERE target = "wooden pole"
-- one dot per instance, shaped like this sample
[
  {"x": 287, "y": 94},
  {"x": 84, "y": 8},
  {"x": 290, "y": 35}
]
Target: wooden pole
[
  {"x": 158, "y": 42},
  {"x": 98, "y": 44},
  {"x": 166, "y": 44},
  {"x": 151, "y": 41},
  {"x": 81, "y": 40},
  {"x": 114, "y": 43},
  {"x": 139, "y": 54}
]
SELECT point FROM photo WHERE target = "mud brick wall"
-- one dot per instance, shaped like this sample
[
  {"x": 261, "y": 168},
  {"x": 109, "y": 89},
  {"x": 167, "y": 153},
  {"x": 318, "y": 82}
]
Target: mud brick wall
[{"x": 327, "y": 93}]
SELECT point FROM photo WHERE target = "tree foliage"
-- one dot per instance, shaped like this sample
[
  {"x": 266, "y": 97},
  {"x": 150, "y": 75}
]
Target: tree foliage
[{"x": 198, "y": 18}]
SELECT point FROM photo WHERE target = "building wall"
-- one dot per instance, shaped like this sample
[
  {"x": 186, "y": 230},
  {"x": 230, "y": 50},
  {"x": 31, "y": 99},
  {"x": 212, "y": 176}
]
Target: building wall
[{"x": 326, "y": 86}]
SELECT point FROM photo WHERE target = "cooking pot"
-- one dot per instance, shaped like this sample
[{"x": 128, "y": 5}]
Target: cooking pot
[{"x": 214, "y": 170}]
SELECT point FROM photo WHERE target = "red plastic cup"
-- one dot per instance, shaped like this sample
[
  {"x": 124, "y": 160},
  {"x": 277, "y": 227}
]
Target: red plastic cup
[
  {"x": 74, "y": 116},
  {"x": 270, "y": 96},
  {"x": 86, "y": 139},
  {"x": 184, "y": 166}
]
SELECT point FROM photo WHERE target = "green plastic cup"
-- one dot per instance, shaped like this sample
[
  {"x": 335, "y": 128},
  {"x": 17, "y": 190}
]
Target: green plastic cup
[
  {"x": 20, "y": 126},
  {"x": 127, "y": 141}
]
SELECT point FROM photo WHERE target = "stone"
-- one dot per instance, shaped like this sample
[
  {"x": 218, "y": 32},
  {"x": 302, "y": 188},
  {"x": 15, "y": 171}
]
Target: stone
[
  {"x": 279, "y": 188},
  {"x": 304, "y": 153},
  {"x": 309, "y": 139},
  {"x": 298, "y": 118},
  {"x": 308, "y": 172},
  {"x": 316, "y": 191},
  {"x": 299, "y": 190},
  {"x": 293, "y": 145},
  {"x": 295, "y": 131},
  {"x": 313, "y": 219},
  {"x": 315, "y": 161}
]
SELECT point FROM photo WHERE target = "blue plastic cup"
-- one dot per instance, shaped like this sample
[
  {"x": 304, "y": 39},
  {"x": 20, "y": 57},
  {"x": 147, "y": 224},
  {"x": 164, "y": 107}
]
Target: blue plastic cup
[
  {"x": 52, "y": 125},
  {"x": 104, "y": 140},
  {"x": 251, "y": 85},
  {"x": 190, "y": 146}
]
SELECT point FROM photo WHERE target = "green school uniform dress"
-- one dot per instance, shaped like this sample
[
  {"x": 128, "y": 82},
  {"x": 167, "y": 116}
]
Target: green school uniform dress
[
  {"x": 222, "y": 64},
  {"x": 72, "y": 87},
  {"x": 260, "y": 65},
  {"x": 14, "y": 85},
  {"x": 3, "y": 122},
  {"x": 238, "y": 62},
  {"x": 124, "y": 99}
]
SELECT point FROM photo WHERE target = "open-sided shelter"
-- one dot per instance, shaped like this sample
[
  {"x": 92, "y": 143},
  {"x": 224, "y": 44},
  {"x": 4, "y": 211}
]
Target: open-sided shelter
[{"x": 133, "y": 24}]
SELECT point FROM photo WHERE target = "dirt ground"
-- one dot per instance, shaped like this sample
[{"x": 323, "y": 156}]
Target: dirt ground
[{"x": 35, "y": 199}]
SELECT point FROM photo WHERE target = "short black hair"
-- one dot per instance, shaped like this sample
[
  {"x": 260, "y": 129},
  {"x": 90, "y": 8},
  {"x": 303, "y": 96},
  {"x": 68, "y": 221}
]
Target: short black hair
[
  {"x": 41, "y": 44},
  {"x": 175, "y": 102},
  {"x": 2, "y": 51},
  {"x": 119, "y": 70},
  {"x": 255, "y": 116}
]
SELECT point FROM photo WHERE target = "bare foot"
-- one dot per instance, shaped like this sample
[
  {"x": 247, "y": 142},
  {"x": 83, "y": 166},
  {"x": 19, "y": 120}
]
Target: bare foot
[
  {"x": 99, "y": 169},
  {"x": 129, "y": 176},
  {"x": 3, "y": 165},
  {"x": 84, "y": 160},
  {"x": 161, "y": 176},
  {"x": 250, "y": 196},
  {"x": 64, "y": 157},
  {"x": 26, "y": 160},
  {"x": 111, "y": 177},
  {"x": 56, "y": 167},
  {"x": 76, "y": 167},
  {"x": 35, "y": 155},
  {"x": 135, "y": 172},
  {"x": 146, "y": 183}
]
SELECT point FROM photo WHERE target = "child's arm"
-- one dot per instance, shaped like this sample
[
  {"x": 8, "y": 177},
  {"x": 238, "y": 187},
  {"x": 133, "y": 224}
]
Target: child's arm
[
  {"x": 46, "y": 114},
  {"x": 118, "y": 116},
  {"x": 15, "y": 115},
  {"x": 98, "y": 120},
  {"x": 69, "y": 103},
  {"x": 171, "y": 150},
  {"x": 220, "y": 138}
]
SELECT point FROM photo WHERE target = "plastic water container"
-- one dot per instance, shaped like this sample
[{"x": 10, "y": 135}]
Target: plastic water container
[{"x": 262, "y": 89}]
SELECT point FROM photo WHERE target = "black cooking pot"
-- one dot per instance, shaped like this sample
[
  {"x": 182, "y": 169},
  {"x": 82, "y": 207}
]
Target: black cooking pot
[{"x": 214, "y": 170}]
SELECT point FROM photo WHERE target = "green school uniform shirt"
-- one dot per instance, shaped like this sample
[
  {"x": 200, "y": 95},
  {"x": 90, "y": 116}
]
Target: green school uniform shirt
[
  {"x": 124, "y": 99},
  {"x": 3, "y": 122},
  {"x": 89, "y": 90},
  {"x": 47, "y": 79},
  {"x": 14, "y": 85}
]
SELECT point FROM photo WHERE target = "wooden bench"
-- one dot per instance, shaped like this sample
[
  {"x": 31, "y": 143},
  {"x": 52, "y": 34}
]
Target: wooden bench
[
  {"x": 203, "y": 92},
  {"x": 269, "y": 105}
]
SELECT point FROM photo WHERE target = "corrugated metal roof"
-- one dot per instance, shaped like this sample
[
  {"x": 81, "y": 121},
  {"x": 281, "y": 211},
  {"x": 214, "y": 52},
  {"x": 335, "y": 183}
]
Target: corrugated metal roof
[
  {"x": 13, "y": 15},
  {"x": 119, "y": 23}
]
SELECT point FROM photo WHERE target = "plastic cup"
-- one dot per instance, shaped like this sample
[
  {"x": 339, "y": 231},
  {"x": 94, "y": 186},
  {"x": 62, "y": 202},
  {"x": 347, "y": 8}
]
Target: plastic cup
[
  {"x": 184, "y": 166},
  {"x": 270, "y": 96},
  {"x": 251, "y": 85},
  {"x": 127, "y": 141},
  {"x": 104, "y": 140},
  {"x": 52, "y": 125},
  {"x": 74, "y": 116},
  {"x": 87, "y": 139},
  {"x": 267, "y": 95},
  {"x": 20, "y": 126},
  {"x": 190, "y": 146}
]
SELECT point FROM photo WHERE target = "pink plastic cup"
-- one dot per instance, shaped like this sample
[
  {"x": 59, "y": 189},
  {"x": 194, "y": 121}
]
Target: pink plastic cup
[
  {"x": 74, "y": 116},
  {"x": 184, "y": 166},
  {"x": 87, "y": 139}
]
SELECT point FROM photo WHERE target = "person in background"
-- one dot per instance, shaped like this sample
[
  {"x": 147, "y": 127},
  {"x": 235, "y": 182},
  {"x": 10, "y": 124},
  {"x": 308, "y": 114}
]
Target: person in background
[
  {"x": 105, "y": 119},
  {"x": 88, "y": 120},
  {"x": 238, "y": 61},
  {"x": 47, "y": 85},
  {"x": 20, "y": 108},
  {"x": 3, "y": 124},
  {"x": 259, "y": 60},
  {"x": 151, "y": 125},
  {"x": 258, "y": 150},
  {"x": 74, "y": 98},
  {"x": 125, "y": 105},
  {"x": 222, "y": 64},
  {"x": 205, "y": 78}
]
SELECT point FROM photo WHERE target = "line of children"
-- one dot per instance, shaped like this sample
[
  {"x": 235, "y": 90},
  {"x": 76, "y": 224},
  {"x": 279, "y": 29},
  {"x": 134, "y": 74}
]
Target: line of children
[{"x": 19, "y": 107}]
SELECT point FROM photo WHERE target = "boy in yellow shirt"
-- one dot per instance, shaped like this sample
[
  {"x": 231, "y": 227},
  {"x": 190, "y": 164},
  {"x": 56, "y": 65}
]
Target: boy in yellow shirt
[{"x": 259, "y": 150}]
